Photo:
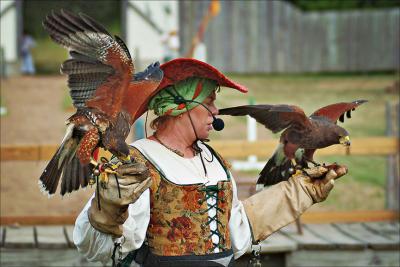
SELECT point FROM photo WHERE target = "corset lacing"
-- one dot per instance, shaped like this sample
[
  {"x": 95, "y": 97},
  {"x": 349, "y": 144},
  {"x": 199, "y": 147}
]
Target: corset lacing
[{"x": 212, "y": 193}]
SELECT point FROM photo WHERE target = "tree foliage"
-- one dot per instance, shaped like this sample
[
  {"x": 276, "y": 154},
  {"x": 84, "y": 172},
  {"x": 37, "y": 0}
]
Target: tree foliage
[
  {"x": 108, "y": 12},
  {"x": 325, "y": 5}
]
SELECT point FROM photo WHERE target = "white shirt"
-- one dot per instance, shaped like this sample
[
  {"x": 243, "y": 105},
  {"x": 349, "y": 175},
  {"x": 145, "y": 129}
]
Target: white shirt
[{"x": 97, "y": 246}]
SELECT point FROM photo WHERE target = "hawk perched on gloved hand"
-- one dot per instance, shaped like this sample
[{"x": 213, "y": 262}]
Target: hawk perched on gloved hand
[
  {"x": 105, "y": 92},
  {"x": 301, "y": 137}
]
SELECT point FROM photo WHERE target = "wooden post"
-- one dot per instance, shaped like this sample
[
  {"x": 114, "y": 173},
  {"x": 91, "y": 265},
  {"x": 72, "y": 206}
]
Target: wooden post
[
  {"x": 3, "y": 73},
  {"x": 123, "y": 22},
  {"x": 393, "y": 179}
]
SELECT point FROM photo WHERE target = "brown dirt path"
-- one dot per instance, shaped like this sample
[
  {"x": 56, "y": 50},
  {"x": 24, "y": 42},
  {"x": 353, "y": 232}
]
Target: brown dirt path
[
  {"x": 35, "y": 116},
  {"x": 35, "y": 113}
]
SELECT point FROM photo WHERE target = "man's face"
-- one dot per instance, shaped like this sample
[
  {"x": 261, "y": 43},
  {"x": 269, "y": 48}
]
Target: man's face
[{"x": 201, "y": 117}]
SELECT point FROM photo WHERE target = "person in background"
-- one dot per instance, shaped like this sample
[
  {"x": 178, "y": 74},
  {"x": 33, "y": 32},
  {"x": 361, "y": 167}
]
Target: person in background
[
  {"x": 170, "y": 43},
  {"x": 179, "y": 205},
  {"x": 27, "y": 43}
]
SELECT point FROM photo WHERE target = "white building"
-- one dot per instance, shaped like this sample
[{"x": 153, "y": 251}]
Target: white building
[
  {"x": 147, "y": 24},
  {"x": 9, "y": 18}
]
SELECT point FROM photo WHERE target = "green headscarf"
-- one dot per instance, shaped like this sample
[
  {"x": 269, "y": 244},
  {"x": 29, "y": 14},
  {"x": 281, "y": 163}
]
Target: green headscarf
[{"x": 192, "y": 88}]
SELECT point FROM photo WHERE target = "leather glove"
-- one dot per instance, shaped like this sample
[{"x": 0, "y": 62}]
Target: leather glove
[
  {"x": 281, "y": 204},
  {"x": 134, "y": 179}
]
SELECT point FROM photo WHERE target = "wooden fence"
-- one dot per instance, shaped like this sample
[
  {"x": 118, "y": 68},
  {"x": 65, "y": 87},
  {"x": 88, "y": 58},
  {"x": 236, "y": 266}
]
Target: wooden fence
[
  {"x": 275, "y": 36},
  {"x": 229, "y": 149},
  {"x": 393, "y": 161},
  {"x": 384, "y": 146}
]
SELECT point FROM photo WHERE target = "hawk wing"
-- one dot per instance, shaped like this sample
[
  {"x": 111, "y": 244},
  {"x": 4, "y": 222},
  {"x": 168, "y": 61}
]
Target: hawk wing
[
  {"x": 336, "y": 111},
  {"x": 101, "y": 67},
  {"x": 274, "y": 117}
]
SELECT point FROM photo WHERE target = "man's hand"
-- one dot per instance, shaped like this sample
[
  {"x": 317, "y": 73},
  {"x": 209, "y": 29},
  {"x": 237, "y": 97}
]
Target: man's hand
[{"x": 122, "y": 189}]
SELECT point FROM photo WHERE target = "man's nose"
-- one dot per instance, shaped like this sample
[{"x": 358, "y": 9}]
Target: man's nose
[{"x": 214, "y": 110}]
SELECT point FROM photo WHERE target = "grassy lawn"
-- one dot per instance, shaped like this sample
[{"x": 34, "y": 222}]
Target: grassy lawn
[
  {"x": 362, "y": 188},
  {"x": 48, "y": 56},
  {"x": 67, "y": 101},
  {"x": 311, "y": 92}
]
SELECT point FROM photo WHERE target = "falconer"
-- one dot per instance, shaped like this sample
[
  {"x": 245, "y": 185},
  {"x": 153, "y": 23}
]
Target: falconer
[{"x": 179, "y": 203}]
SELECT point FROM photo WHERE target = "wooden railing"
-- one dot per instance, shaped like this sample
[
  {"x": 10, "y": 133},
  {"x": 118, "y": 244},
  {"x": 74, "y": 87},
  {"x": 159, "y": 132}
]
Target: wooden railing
[
  {"x": 230, "y": 149},
  {"x": 359, "y": 146},
  {"x": 385, "y": 146}
]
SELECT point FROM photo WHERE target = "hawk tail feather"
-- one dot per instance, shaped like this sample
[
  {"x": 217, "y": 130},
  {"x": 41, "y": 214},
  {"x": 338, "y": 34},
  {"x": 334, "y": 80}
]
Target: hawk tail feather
[
  {"x": 65, "y": 165},
  {"x": 50, "y": 177},
  {"x": 276, "y": 170},
  {"x": 271, "y": 173}
]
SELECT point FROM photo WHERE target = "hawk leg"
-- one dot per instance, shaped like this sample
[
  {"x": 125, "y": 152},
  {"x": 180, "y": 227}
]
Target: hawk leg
[
  {"x": 295, "y": 166},
  {"x": 87, "y": 145}
]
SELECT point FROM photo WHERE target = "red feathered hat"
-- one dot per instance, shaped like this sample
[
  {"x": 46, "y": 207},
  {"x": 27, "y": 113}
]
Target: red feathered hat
[{"x": 182, "y": 68}]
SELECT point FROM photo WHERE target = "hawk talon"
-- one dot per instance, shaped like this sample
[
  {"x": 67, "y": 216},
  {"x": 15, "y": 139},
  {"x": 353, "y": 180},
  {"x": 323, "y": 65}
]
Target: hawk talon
[
  {"x": 126, "y": 159},
  {"x": 313, "y": 162},
  {"x": 101, "y": 172},
  {"x": 298, "y": 172},
  {"x": 295, "y": 166},
  {"x": 294, "y": 163},
  {"x": 104, "y": 180},
  {"x": 92, "y": 180},
  {"x": 105, "y": 174}
]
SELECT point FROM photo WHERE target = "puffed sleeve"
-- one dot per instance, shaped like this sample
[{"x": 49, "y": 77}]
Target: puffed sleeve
[
  {"x": 98, "y": 246},
  {"x": 239, "y": 226}
]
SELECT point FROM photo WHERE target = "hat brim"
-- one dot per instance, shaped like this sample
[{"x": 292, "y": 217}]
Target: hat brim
[{"x": 182, "y": 68}]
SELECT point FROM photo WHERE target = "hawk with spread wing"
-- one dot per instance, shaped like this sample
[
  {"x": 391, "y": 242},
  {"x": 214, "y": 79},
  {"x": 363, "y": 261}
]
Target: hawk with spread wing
[
  {"x": 301, "y": 137},
  {"x": 105, "y": 91}
]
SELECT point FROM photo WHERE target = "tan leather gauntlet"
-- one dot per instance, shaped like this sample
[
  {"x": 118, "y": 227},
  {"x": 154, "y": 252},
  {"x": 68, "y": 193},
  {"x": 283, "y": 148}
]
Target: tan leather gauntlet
[
  {"x": 133, "y": 179},
  {"x": 281, "y": 204}
]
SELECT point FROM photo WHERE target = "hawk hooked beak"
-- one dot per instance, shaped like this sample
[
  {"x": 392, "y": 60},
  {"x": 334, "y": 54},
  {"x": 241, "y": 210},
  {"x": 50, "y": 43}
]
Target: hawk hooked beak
[{"x": 345, "y": 140}]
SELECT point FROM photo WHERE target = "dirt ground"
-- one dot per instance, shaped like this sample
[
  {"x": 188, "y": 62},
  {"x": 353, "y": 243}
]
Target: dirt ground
[{"x": 35, "y": 116}]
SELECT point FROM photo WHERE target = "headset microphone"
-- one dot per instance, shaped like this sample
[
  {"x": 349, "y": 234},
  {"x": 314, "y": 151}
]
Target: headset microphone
[{"x": 218, "y": 124}]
